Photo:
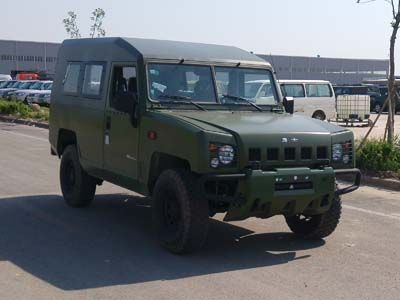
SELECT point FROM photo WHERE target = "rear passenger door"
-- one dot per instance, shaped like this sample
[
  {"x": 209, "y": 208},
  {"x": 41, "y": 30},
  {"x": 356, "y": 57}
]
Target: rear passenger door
[{"x": 120, "y": 136}]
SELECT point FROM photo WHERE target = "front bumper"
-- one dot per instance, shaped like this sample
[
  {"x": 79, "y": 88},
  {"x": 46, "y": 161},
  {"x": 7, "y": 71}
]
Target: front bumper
[{"x": 287, "y": 191}]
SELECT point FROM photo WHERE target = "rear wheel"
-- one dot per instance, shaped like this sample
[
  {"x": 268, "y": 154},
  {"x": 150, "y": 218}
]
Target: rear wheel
[
  {"x": 78, "y": 187},
  {"x": 180, "y": 215},
  {"x": 319, "y": 115},
  {"x": 377, "y": 108},
  {"x": 317, "y": 226}
]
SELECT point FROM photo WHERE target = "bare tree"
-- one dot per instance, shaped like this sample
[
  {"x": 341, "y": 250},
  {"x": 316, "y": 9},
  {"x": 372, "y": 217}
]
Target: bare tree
[
  {"x": 71, "y": 26},
  {"x": 97, "y": 28},
  {"x": 392, "y": 91}
]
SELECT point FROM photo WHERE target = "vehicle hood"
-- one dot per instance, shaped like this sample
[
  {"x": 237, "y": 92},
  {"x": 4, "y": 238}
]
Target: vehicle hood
[{"x": 256, "y": 123}]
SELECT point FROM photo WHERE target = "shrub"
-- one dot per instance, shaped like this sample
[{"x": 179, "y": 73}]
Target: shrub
[
  {"x": 21, "y": 110},
  {"x": 380, "y": 156}
]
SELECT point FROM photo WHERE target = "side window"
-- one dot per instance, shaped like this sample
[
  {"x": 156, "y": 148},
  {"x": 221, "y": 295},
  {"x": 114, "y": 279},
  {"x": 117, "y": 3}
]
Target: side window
[
  {"x": 92, "y": 83},
  {"x": 71, "y": 79},
  {"x": 293, "y": 90},
  {"x": 318, "y": 90},
  {"x": 124, "y": 88}
]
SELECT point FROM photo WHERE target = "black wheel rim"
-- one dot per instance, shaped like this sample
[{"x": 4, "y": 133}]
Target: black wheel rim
[{"x": 172, "y": 216}]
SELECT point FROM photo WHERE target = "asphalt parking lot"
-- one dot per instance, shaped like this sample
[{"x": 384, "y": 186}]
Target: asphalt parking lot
[{"x": 108, "y": 251}]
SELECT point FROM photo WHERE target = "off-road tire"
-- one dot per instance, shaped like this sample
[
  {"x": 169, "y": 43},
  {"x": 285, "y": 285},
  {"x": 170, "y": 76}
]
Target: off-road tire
[
  {"x": 177, "y": 193},
  {"x": 78, "y": 187},
  {"x": 317, "y": 226}
]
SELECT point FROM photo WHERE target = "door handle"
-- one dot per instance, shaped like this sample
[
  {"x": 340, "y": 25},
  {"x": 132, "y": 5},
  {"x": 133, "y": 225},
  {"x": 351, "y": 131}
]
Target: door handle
[{"x": 108, "y": 123}]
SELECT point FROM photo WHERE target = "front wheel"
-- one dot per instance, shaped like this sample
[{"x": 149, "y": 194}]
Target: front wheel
[
  {"x": 77, "y": 186},
  {"x": 180, "y": 214},
  {"x": 317, "y": 226}
]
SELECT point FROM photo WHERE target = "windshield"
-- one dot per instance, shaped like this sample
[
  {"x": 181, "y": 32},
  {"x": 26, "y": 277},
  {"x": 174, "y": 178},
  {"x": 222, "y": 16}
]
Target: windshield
[
  {"x": 4, "y": 84},
  {"x": 16, "y": 84},
  {"x": 251, "y": 84},
  {"x": 25, "y": 85},
  {"x": 47, "y": 86},
  {"x": 176, "y": 81},
  {"x": 179, "y": 83},
  {"x": 36, "y": 86}
]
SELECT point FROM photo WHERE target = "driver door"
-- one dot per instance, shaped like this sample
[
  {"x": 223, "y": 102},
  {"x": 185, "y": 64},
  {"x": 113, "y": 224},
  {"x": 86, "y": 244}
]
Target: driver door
[{"x": 120, "y": 136}]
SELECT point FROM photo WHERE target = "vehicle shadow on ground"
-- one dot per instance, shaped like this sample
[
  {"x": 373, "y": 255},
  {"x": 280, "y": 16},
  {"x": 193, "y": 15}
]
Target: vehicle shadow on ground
[{"x": 112, "y": 243}]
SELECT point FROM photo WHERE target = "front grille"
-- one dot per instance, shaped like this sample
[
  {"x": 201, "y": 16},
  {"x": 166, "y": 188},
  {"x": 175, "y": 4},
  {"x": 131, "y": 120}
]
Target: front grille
[
  {"x": 322, "y": 152},
  {"x": 272, "y": 154},
  {"x": 254, "y": 154},
  {"x": 306, "y": 153},
  {"x": 289, "y": 156},
  {"x": 290, "y": 153}
]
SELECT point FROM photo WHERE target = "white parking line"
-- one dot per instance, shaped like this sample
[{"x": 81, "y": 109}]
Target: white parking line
[
  {"x": 371, "y": 212},
  {"x": 24, "y": 135}
]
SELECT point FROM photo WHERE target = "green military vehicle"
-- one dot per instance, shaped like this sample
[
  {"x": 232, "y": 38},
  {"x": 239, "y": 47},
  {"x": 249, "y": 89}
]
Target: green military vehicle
[{"x": 180, "y": 123}]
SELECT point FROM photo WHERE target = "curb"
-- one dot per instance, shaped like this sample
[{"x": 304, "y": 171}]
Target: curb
[
  {"x": 386, "y": 183},
  {"x": 10, "y": 119}
]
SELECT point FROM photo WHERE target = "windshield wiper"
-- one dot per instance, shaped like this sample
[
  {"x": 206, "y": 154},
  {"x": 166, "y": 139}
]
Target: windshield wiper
[
  {"x": 188, "y": 100},
  {"x": 243, "y": 100}
]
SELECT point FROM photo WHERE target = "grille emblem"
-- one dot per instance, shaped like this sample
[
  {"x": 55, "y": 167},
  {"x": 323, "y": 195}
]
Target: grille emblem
[{"x": 286, "y": 140}]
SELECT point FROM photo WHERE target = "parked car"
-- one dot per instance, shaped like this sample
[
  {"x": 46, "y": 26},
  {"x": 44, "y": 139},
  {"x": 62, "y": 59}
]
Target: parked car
[
  {"x": 27, "y": 76},
  {"x": 170, "y": 120},
  {"x": 12, "y": 86},
  {"x": 4, "y": 77},
  {"x": 22, "y": 95},
  {"x": 314, "y": 98},
  {"x": 36, "y": 96},
  {"x": 380, "y": 100},
  {"x": 27, "y": 84}
]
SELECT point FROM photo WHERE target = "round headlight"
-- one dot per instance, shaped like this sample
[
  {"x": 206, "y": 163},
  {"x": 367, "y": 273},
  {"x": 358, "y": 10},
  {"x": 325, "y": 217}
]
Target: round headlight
[
  {"x": 226, "y": 154},
  {"x": 337, "y": 152}
]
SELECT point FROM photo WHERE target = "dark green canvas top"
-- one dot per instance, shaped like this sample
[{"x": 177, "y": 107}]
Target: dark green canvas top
[{"x": 163, "y": 49}]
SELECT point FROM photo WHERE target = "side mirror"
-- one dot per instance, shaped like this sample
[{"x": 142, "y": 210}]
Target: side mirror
[
  {"x": 126, "y": 102},
  {"x": 288, "y": 104}
]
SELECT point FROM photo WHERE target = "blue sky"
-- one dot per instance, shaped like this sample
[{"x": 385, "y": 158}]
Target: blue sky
[{"x": 330, "y": 28}]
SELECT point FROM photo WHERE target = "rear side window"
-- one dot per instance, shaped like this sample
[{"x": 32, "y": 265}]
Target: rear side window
[
  {"x": 71, "y": 78},
  {"x": 318, "y": 90},
  {"x": 92, "y": 82},
  {"x": 293, "y": 90}
]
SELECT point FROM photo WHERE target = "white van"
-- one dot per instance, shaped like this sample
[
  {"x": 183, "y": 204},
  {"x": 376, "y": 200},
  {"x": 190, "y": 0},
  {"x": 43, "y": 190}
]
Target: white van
[{"x": 314, "y": 98}]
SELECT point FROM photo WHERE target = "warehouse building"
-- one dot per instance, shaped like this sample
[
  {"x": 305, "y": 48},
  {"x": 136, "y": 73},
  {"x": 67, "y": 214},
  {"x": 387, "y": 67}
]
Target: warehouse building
[
  {"x": 336, "y": 70},
  {"x": 42, "y": 57},
  {"x": 28, "y": 56}
]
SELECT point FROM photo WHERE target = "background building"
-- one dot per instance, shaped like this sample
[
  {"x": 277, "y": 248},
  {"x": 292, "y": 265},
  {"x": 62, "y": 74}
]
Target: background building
[
  {"x": 28, "y": 56},
  {"x": 336, "y": 70},
  {"x": 42, "y": 57}
]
